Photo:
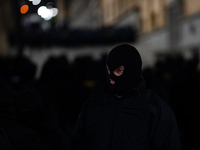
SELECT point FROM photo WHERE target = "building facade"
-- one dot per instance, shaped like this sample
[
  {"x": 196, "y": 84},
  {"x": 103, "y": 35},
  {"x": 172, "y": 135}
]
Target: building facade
[
  {"x": 163, "y": 26},
  {"x": 7, "y": 22},
  {"x": 84, "y": 14}
]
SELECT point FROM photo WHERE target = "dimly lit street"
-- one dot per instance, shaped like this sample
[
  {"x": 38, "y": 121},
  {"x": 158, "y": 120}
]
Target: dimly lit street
[{"x": 53, "y": 58}]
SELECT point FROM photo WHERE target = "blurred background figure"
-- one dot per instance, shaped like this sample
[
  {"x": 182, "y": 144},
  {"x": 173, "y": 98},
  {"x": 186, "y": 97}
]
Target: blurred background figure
[
  {"x": 52, "y": 52},
  {"x": 15, "y": 135}
]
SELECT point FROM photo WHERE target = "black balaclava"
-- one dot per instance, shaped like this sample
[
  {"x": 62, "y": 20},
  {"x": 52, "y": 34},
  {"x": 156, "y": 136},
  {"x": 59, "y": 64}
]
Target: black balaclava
[{"x": 127, "y": 56}]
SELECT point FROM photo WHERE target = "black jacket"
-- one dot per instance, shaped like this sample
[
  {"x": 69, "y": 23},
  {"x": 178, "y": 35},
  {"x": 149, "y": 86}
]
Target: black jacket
[{"x": 138, "y": 121}]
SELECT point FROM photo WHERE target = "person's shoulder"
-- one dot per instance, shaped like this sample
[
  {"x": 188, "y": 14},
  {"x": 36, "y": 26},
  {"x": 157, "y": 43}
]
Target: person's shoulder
[
  {"x": 99, "y": 95},
  {"x": 154, "y": 99}
]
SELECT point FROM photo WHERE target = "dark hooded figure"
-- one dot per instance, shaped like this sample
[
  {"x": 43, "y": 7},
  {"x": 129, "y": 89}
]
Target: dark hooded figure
[
  {"x": 15, "y": 135},
  {"x": 124, "y": 115}
]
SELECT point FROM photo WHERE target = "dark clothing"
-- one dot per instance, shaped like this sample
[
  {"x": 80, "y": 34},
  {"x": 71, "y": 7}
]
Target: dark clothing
[
  {"x": 4, "y": 142},
  {"x": 20, "y": 137},
  {"x": 138, "y": 121},
  {"x": 16, "y": 136}
]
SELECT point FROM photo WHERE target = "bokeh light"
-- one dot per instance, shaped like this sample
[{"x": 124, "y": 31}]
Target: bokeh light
[
  {"x": 54, "y": 12},
  {"x": 41, "y": 10},
  {"x": 24, "y": 9},
  {"x": 36, "y": 2},
  {"x": 47, "y": 13}
]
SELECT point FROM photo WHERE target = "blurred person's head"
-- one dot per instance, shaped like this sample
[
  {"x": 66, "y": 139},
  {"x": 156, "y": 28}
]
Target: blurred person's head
[
  {"x": 123, "y": 68},
  {"x": 21, "y": 72},
  {"x": 50, "y": 69}
]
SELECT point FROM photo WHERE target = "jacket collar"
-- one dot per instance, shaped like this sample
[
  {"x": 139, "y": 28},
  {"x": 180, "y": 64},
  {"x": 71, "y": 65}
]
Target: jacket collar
[{"x": 138, "y": 88}]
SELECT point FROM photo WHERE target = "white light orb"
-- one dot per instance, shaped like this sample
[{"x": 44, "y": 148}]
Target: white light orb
[{"x": 36, "y": 2}]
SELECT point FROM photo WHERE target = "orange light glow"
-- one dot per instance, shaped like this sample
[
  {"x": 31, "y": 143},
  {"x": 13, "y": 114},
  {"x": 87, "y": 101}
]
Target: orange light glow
[{"x": 24, "y": 9}]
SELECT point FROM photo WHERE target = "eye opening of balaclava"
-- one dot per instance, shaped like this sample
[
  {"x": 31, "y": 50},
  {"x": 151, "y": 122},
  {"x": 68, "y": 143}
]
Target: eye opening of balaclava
[{"x": 127, "y": 56}]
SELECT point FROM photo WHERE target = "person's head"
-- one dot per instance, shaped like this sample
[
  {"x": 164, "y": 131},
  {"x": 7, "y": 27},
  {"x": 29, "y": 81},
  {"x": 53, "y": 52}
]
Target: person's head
[{"x": 123, "y": 68}]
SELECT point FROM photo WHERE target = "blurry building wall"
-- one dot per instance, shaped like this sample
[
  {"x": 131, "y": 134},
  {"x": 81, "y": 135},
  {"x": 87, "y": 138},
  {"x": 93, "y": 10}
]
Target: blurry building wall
[
  {"x": 63, "y": 7},
  {"x": 6, "y": 22},
  {"x": 163, "y": 25},
  {"x": 113, "y": 10},
  {"x": 179, "y": 31},
  {"x": 159, "y": 25},
  {"x": 84, "y": 14},
  {"x": 190, "y": 25},
  {"x": 191, "y": 7}
]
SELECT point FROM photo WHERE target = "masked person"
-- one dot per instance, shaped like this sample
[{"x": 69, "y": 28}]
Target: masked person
[{"x": 125, "y": 115}]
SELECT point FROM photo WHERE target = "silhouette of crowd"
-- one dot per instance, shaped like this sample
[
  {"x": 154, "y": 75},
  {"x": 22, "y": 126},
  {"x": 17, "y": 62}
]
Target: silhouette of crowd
[
  {"x": 44, "y": 109},
  {"x": 41, "y": 113}
]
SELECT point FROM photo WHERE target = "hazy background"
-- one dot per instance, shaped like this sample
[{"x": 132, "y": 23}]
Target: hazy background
[{"x": 64, "y": 43}]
